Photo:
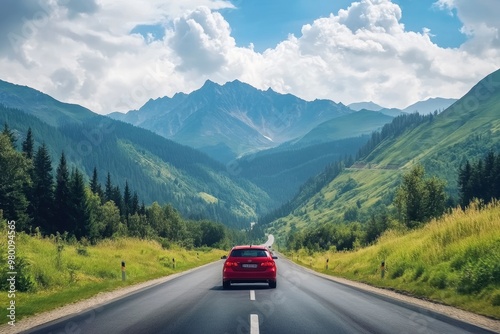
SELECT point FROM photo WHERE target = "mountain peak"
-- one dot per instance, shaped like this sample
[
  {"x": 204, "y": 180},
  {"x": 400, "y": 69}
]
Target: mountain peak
[
  {"x": 429, "y": 106},
  {"x": 210, "y": 84}
]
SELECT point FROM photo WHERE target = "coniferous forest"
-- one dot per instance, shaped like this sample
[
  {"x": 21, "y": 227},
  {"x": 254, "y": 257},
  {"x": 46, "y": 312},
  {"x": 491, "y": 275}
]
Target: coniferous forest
[
  {"x": 48, "y": 198},
  {"x": 480, "y": 179}
]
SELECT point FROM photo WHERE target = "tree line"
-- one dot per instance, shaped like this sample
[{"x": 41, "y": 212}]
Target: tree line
[
  {"x": 398, "y": 126},
  {"x": 480, "y": 179},
  {"x": 63, "y": 203}
]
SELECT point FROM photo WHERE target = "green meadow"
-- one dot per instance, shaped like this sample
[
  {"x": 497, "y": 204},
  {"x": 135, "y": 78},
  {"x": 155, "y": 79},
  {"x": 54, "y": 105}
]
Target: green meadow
[{"x": 52, "y": 273}]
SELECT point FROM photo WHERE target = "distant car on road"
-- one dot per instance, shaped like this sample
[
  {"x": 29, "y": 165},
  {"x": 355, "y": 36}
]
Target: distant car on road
[{"x": 249, "y": 264}]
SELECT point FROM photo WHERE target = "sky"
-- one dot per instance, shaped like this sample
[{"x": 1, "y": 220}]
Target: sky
[{"x": 115, "y": 55}]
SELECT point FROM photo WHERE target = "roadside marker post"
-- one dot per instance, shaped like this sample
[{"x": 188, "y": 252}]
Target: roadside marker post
[
  {"x": 124, "y": 274},
  {"x": 382, "y": 269}
]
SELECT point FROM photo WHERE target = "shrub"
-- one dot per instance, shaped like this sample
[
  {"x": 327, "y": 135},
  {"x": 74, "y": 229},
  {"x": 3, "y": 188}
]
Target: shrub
[
  {"x": 478, "y": 274},
  {"x": 419, "y": 271},
  {"x": 81, "y": 250},
  {"x": 24, "y": 280},
  {"x": 398, "y": 271},
  {"x": 438, "y": 280},
  {"x": 495, "y": 298}
]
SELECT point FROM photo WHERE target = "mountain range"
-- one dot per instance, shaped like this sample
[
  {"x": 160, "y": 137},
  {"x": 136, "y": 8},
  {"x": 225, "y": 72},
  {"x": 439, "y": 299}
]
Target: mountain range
[
  {"x": 230, "y": 120},
  {"x": 234, "y": 119}
]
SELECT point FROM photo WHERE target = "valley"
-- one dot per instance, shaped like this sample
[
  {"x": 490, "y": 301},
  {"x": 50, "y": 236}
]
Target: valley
[{"x": 333, "y": 186}]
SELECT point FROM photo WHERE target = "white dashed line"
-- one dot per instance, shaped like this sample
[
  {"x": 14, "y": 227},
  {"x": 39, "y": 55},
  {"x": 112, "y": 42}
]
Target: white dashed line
[
  {"x": 252, "y": 294},
  {"x": 254, "y": 324}
]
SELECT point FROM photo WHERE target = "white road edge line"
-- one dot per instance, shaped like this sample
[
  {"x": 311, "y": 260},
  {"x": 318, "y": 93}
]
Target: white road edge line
[
  {"x": 254, "y": 324},
  {"x": 252, "y": 294}
]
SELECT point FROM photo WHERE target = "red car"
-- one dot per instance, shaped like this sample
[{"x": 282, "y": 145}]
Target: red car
[{"x": 249, "y": 264}]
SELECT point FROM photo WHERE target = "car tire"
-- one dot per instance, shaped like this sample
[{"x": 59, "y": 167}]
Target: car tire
[
  {"x": 226, "y": 284},
  {"x": 272, "y": 284}
]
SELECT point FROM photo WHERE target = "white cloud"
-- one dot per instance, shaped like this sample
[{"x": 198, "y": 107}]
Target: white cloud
[
  {"x": 363, "y": 53},
  {"x": 86, "y": 54},
  {"x": 202, "y": 41},
  {"x": 480, "y": 23}
]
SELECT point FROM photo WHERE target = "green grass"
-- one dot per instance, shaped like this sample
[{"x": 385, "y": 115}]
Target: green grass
[
  {"x": 81, "y": 272},
  {"x": 454, "y": 260}
]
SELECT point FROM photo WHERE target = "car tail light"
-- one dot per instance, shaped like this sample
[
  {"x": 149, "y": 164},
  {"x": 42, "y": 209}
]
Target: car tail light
[
  {"x": 231, "y": 264},
  {"x": 267, "y": 264}
]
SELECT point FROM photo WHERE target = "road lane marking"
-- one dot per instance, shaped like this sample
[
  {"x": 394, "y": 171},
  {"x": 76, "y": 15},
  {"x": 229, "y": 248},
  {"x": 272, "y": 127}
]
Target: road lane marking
[
  {"x": 252, "y": 294},
  {"x": 254, "y": 324}
]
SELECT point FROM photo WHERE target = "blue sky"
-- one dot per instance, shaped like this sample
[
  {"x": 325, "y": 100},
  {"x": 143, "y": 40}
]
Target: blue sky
[
  {"x": 265, "y": 23},
  {"x": 115, "y": 55}
]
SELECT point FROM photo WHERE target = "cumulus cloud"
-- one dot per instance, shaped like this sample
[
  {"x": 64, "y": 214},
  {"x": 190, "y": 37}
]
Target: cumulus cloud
[
  {"x": 480, "y": 23},
  {"x": 86, "y": 53},
  {"x": 364, "y": 53},
  {"x": 202, "y": 41},
  {"x": 377, "y": 15}
]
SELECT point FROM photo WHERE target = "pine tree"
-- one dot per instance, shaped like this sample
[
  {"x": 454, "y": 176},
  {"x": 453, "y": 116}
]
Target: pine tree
[
  {"x": 28, "y": 144},
  {"x": 42, "y": 201},
  {"x": 95, "y": 186},
  {"x": 496, "y": 181},
  {"x": 80, "y": 215},
  {"x": 118, "y": 199},
  {"x": 108, "y": 192},
  {"x": 127, "y": 200},
  {"x": 14, "y": 178},
  {"x": 9, "y": 134},
  {"x": 477, "y": 183},
  {"x": 135, "y": 204},
  {"x": 62, "y": 198},
  {"x": 489, "y": 177},
  {"x": 464, "y": 184}
]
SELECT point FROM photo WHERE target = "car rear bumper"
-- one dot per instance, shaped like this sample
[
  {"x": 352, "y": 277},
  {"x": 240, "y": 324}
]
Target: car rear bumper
[{"x": 249, "y": 277}]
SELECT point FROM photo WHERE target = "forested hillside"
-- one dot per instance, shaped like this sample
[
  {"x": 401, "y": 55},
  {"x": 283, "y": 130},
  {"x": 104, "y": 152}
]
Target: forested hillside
[
  {"x": 314, "y": 185},
  {"x": 158, "y": 169},
  {"x": 46, "y": 200},
  {"x": 365, "y": 192}
]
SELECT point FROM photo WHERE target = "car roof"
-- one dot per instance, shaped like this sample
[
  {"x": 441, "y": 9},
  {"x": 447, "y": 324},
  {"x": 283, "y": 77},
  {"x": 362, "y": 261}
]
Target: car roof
[{"x": 249, "y": 246}]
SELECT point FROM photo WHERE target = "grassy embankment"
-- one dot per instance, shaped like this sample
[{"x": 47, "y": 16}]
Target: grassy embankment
[
  {"x": 75, "y": 272},
  {"x": 454, "y": 260}
]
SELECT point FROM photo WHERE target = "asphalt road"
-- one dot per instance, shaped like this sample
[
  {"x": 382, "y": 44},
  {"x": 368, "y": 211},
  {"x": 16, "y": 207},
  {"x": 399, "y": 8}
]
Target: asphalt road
[{"x": 302, "y": 303}]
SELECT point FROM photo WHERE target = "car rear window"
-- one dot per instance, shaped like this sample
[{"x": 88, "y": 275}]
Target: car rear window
[{"x": 248, "y": 253}]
